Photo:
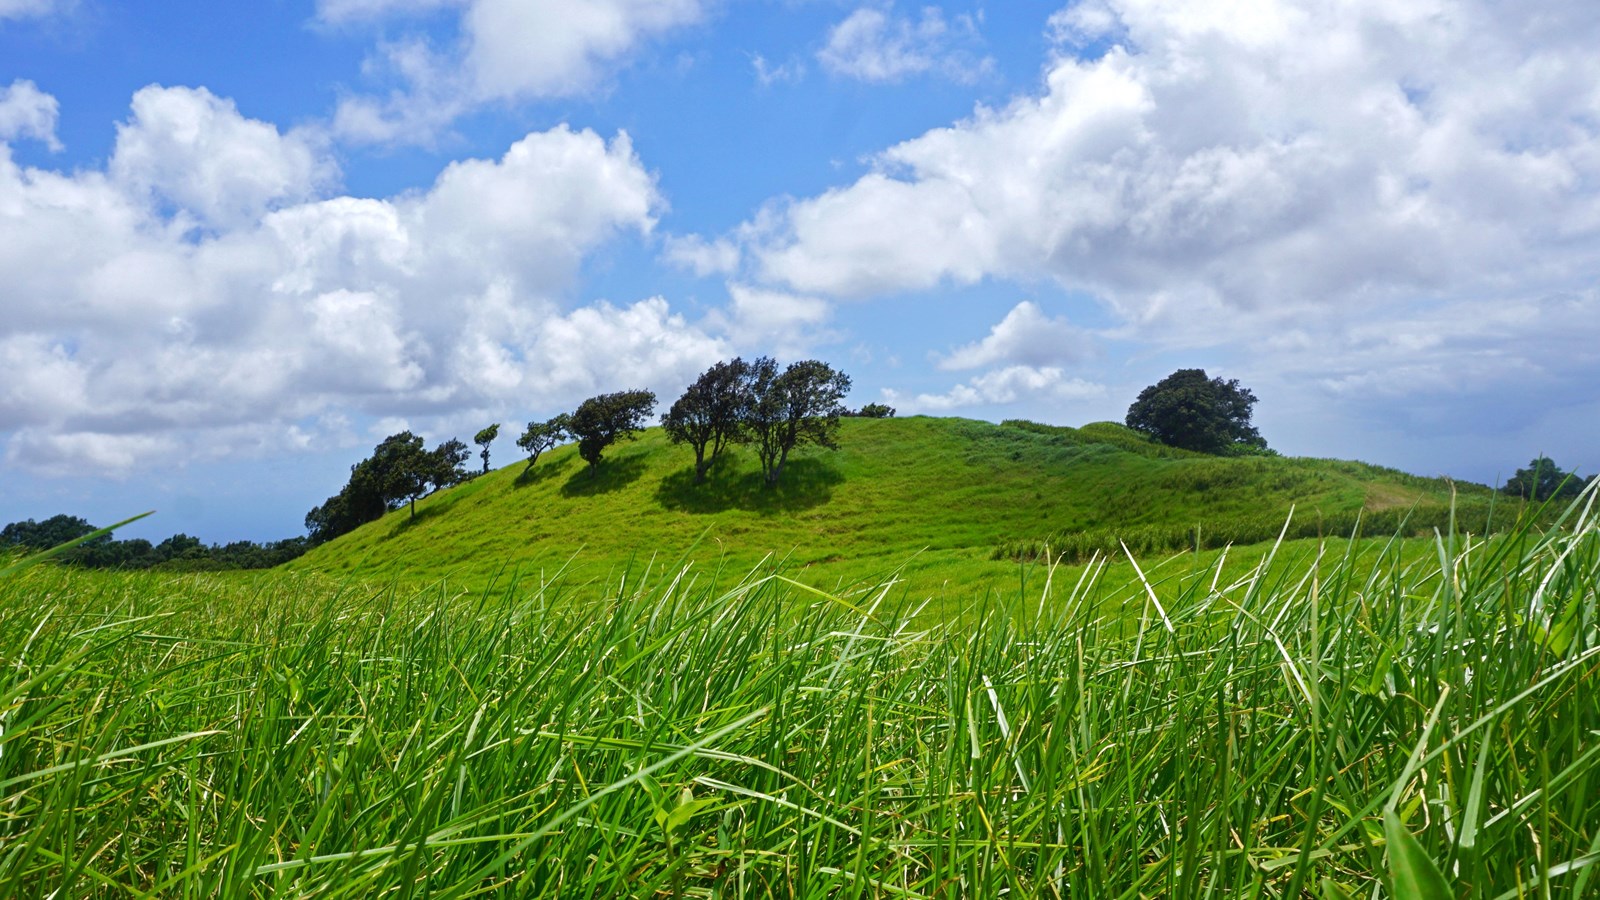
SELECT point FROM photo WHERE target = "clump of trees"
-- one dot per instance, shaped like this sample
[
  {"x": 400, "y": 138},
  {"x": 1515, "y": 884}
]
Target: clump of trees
[
  {"x": 1190, "y": 411},
  {"x": 873, "y": 411},
  {"x": 181, "y": 551},
  {"x": 1544, "y": 480},
  {"x": 398, "y": 472},
  {"x": 755, "y": 403}
]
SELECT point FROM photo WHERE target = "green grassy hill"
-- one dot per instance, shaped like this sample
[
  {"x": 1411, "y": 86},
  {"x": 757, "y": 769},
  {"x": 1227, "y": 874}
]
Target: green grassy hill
[{"x": 953, "y": 500}]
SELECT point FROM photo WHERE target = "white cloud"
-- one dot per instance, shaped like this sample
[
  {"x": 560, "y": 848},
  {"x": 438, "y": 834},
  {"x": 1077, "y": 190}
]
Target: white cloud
[
  {"x": 131, "y": 339},
  {"x": 1026, "y": 336},
  {"x": 700, "y": 256},
  {"x": 343, "y": 11},
  {"x": 873, "y": 44},
  {"x": 27, "y": 112},
  {"x": 1242, "y": 157},
  {"x": 191, "y": 149},
  {"x": 1005, "y": 386},
  {"x": 790, "y": 72},
  {"x": 31, "y": 9},
  {"x": 781, "y": 324},
  {"x": 509, "y": 50}
]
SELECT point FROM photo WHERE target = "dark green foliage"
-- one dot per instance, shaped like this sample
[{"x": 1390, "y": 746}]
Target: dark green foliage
[
  {"x": 52, "y": 532},
  {"x": 708, "y": 415},
  {"x": 483, "y": 439},
  {"x": 874, "y": 411},
  {"x": 1543, "y": 480},
  {"x": 601, "y": 421},
  {"x": 1188, "y": 410},
  {"x": 800, "y": 406},
  {"x": 409, "y": 472},
  {"x": 541, "y": 436},
  {"x": 398, "y": 471},
  {"x": 180, "y": 551}
]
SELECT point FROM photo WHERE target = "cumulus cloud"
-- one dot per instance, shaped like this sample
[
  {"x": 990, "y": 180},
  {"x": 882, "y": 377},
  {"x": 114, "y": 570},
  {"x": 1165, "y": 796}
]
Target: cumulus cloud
[
  {"x": 131, "y": 337},
  {"x": 1026, "y": 336},
  {"x": 190, "y": 149},
  {"x": 1222, "y": 157},
  {"x": 27, "y": 112},
  {"x": 509, "y": 50},
  {"x": 1002, "y": 387},
  {"x": 875, "y": 44},
  {"x": 780, "y": 323}
]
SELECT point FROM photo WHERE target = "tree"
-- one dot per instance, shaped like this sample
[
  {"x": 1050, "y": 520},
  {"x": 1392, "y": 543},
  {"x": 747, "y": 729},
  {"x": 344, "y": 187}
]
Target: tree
[
  {"x": 601, "y": 421},
  {"x": 52, "y": 532},
  {"x": 708, "y": 415},
  {"x": 541, "y": 436},
  {"x": 875, "y": 411},
  {"x": 1543, "y": 480},
  {"x": 483, "y": 439},
  {"x": 449, "y": 465},
  {"x": 787, "y": 410},
  {"x": 1188, "y": 410}
]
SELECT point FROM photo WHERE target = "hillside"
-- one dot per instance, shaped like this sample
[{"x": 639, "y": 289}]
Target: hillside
[{"x": 954, "y": 499}]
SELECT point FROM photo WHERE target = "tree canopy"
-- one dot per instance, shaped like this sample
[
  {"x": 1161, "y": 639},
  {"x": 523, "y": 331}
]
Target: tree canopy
[
  {"x": 483, "y": 439},
  {"x": 799, "y": 406},
  {"x": 541, "y": 436},
  {"x": 1544, "y": 480},
  {"x": 1188, "y": 410},
  {"x": 398, "y": 471},
  {"x": 601, "y": 421},
  {"x": 709, "y": 414}
]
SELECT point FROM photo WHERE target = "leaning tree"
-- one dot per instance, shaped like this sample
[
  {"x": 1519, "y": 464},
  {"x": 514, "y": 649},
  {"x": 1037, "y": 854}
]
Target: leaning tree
[
  {"x": 483, "y": 439},
  {"x": 601, "y": 421},
  {"x": 541, "y": 436}
]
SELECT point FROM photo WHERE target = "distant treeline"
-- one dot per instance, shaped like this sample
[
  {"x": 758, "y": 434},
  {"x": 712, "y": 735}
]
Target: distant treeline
[{"x": 180, "y": 552}]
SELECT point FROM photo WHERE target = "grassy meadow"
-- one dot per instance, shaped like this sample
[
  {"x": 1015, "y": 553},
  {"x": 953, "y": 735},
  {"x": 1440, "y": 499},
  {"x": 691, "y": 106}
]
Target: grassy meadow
[{"x": 1325, "y": 719}]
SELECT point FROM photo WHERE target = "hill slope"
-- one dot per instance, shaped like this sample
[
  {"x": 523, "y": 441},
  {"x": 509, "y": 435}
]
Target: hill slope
[{"x": 953, "y": 494}]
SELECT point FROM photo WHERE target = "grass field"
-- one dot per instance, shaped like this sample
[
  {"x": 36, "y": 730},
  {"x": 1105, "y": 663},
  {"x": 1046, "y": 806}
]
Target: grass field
[
  {"x": 1339, "y": 719},
  {"x": 939, "y": 499}
]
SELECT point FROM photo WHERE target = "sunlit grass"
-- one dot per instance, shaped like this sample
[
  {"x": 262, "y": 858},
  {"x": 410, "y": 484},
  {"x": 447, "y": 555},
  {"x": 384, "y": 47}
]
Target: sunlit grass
[
  {"x": 947, "y": 492},
  {"x": 684, "y": 732}
]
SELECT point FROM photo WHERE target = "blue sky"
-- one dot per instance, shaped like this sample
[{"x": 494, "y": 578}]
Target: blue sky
[{"x": 236, "y": 250}]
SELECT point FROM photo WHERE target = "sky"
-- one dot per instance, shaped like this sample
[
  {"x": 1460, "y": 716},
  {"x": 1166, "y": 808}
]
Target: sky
[{"x": 237, "y": 249}]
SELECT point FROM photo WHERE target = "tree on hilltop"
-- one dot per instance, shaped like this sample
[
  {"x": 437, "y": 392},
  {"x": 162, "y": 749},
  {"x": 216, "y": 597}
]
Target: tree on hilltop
[
  {"x": 708, "y": 415},
  {"x": 483, "y": 439},
  {"x": 799, "y": 406},
  {"x": 1188, "y": 410},
  {"x": 1543, "y": 480},
  {"x": 541, "y": 436},
  {"x": 601, "y": 421}
]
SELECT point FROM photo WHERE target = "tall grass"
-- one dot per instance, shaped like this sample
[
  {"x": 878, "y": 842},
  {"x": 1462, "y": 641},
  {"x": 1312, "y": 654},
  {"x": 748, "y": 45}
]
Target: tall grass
[
  {"x": 1075, "y": 546},
  {"x": 1324, "y": 726}
]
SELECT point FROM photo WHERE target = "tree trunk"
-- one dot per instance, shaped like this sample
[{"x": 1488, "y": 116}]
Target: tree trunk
[{"x": 700, "y": 465}]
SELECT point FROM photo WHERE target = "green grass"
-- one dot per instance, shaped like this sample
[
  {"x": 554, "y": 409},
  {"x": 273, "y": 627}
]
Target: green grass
[
  {"x": 1339, "y": 719},
  {"x": 953, "y": 494}
]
